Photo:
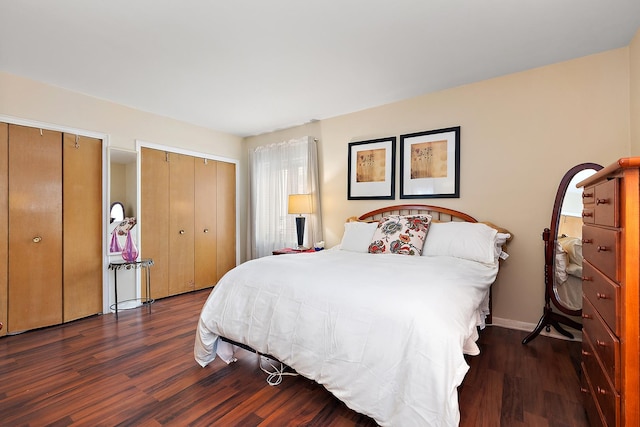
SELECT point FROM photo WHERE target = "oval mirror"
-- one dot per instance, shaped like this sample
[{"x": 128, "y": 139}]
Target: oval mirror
[
  {"x": 117, "y": 212},
  {"x": 563, "y": 255}
]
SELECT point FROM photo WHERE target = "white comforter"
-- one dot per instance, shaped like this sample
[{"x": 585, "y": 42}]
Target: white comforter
[{"x": 384, "y": 333}]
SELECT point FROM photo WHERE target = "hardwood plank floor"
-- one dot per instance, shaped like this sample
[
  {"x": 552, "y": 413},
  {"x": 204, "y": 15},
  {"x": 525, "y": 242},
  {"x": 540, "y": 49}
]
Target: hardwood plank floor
[{"x": 139, "y": 370}]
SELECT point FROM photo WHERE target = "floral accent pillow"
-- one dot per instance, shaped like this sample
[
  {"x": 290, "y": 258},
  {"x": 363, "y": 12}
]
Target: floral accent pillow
[{"x": 402, "y": 235}]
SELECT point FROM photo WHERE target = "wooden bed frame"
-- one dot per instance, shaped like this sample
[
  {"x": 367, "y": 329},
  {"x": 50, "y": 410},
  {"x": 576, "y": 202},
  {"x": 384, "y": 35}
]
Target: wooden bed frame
[{"x": 438, "y": 213}]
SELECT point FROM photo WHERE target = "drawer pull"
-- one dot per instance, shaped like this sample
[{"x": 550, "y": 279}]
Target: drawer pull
[
  {"x": 587, "y": 241},
  {"x": 584, "y": 390},
  {"x": 585, "y": 194},
  {"x": 586, "y": 316},
  {"x": 602, "y": 248},
  {"x": 181, "y": 231},
  {"x": 601, "y": 295},
  {"x": 586, "y": 353},
  {"x": 601, "y": 343},
  {"x": 600, "y": 390},
  {"x": 587, "y": 279},
  {"x": 587, "y": 214},
  {"x": 206, "y": 230},
  {"x": 602, "y": 201}
]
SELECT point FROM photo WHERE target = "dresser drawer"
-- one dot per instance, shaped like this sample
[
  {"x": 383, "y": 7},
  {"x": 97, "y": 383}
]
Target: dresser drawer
[
  {"x": 601, "y": 204},
  {"x": 604, "y": 294},
  {"x": 604, "y": 342},
  {"x": 600, "y": 248},
  {"x": 596, "y": 419},
  {"x": 607, "y": 398}
]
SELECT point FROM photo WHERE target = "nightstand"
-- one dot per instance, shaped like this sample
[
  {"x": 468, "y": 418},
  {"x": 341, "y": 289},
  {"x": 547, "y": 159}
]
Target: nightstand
[{"x": 285, "y": 251}]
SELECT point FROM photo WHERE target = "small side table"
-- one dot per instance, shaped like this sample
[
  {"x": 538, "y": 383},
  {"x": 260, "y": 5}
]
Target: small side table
[
  {"x": 132, "y": 265},
  {"x": 285, "y": 251}
]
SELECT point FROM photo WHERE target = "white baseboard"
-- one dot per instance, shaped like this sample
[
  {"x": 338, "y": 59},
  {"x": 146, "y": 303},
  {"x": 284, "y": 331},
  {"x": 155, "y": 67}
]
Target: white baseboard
[{"x": 525, "y": 326}]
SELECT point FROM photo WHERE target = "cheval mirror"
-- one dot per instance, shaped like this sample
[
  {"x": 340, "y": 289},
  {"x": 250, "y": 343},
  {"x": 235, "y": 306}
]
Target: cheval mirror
[{"x": 563, "y": 256}]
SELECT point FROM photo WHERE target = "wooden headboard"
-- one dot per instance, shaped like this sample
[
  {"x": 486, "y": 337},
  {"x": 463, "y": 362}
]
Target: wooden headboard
[{"x": 437, "y": 213}]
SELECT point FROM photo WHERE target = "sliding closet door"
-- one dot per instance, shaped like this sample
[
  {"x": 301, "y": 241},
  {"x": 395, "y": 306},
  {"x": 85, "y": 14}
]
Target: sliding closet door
[
  {"x": 205, "y": 223},
  {"x": 82, "y": 226},
  {"x": 35, "y": 224},
  {"x": 4, "y": 230},
  {"x": 181, "y": 223},
  {"x": 154, "y": 221},
  {"x": 226, "y": 221}
]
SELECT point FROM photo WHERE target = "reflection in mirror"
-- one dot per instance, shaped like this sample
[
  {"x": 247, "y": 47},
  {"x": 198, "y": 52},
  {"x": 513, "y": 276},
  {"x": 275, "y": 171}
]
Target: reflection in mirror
[
  {"x": 563, "y": 255},
  {"x": 567, "y": 280},
  {"x": 117, "y": 212}
]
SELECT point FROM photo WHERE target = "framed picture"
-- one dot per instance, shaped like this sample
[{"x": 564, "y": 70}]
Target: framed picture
[
  {"x": 372, "y": 169},
  {"x": 430, "y": 164}
]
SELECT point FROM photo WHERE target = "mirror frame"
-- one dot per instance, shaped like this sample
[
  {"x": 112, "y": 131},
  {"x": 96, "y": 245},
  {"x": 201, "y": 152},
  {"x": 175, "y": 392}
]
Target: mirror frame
[{"x": 552, "y": 235}]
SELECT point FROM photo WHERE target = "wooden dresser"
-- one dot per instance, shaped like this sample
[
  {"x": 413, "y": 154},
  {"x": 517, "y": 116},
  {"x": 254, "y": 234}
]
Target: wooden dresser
[{"x": 611, "y": 295}]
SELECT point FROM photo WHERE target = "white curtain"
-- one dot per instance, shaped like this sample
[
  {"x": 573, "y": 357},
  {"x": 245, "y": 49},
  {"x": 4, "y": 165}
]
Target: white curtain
[{"x": 275, "y": 171}]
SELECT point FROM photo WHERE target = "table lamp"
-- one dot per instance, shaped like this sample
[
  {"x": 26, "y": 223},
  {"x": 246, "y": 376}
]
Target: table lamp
[{"x": 300, "y": 204}]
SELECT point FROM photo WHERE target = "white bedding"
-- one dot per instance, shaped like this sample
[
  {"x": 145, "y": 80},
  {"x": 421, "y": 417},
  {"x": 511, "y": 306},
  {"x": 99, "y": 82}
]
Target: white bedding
[{"x": 384, "y": 333}]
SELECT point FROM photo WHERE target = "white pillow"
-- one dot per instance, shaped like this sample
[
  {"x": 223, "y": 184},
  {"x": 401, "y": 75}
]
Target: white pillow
[
  {"x": 357, "y": 236},
  {"x": 469, "y": 240}
]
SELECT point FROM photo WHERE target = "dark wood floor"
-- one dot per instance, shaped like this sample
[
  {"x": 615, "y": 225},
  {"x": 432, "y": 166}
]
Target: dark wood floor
[{"x": 139, "y": 370}]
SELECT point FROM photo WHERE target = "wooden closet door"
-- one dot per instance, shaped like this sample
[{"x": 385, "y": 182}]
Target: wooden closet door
[
  {"x": 4, "y": 225},
  {"x": 181, "y": 225},
  {"x": 82, "y": 226},
  {"x": 205, "y": 223},
  {"x": 226, "y": 221},
  {"x": 154, "y": 220},
  {"x": 35, "y": 228}
]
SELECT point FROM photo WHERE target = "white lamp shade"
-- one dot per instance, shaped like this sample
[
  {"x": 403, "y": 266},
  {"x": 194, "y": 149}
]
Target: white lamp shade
[{"x": 300, "y": 204}]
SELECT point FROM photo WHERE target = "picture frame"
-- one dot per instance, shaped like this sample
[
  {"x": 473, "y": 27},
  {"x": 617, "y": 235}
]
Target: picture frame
[
  {"x": 372, "y": 169},
  {"x": 430, "y": 164}
]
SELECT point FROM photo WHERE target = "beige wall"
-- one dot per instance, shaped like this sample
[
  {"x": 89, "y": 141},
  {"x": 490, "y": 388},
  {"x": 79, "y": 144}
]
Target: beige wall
[
  {"x": 31, "y": 100},
  {"x": 634, "y": 81},
  {"x": 25, "y": 99},
  {"x": 520, "y": 134}
]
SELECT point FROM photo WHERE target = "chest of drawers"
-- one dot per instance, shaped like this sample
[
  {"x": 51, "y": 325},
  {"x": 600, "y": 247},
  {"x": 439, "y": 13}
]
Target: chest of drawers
[{"x": 611, "y": 295}]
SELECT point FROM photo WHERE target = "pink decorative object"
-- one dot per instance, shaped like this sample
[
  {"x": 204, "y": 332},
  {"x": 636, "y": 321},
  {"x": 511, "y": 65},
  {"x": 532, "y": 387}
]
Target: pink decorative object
[
  {"x": 130, "y": 251},
  {"x": 115, "y": 243}
]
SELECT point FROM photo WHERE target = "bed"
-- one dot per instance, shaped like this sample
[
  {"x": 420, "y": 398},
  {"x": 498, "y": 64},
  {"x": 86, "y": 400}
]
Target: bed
[{"x": 385, "y": 332}]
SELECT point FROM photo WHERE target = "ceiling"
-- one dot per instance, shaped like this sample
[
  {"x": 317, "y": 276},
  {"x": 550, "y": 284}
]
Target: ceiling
[{"x": 247, "y": 67}]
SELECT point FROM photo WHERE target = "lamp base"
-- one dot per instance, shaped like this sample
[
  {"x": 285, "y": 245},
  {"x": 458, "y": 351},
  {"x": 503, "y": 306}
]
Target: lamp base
[{"x": 300, "y": 231}]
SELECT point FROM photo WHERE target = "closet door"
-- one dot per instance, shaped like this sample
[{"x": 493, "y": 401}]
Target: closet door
[
  {"x": 35, "y": 224},
  {"x": 181, "y": 223},
  {"x": 4, "y": 230},
  {"x": 154, "y": 221},
  {"x": 205, "y": 223},
  {"x": 226, "y": 221},
  {"x": 82, "y": 226}
]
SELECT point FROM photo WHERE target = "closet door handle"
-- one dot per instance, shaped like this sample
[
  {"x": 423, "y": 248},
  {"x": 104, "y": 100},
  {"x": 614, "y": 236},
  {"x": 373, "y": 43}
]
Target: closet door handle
[
  {"x": 206, "y": 230},
  {"x": 37, "y": 239},
  {"x": 181, "y": 231}
]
